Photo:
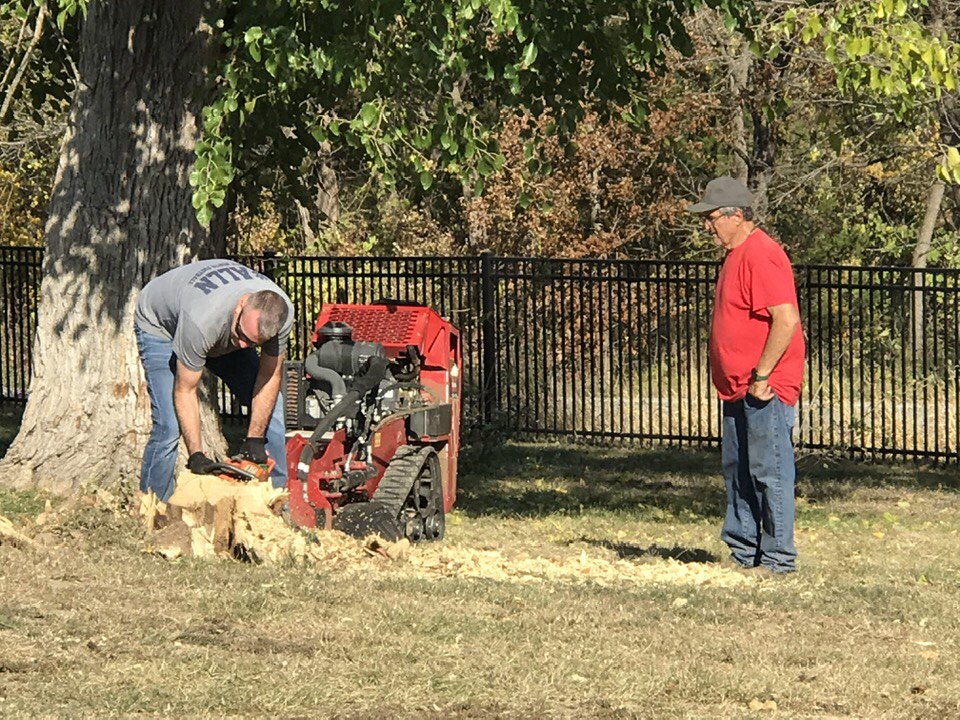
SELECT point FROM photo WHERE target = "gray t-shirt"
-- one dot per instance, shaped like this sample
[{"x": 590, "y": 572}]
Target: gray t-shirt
[{"x": 192, "y": 306}]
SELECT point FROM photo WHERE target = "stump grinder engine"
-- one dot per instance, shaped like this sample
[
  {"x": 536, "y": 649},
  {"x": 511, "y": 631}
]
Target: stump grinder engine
[{"x": 373, "y": 418}]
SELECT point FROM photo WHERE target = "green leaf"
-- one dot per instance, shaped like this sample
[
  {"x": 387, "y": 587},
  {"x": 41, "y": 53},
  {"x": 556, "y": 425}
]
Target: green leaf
[
  {"x": 252, "y": 35},
  {"x": 529, "y": 54},
  {"x": 953, "y": 158},
  {"x": 369, "y": 114},
  {"x": 426, "y": 180},
  {"x": 254, "y": 52},
  {"x": 204, "y": 214},
  {"x": 199, "y": 199}
]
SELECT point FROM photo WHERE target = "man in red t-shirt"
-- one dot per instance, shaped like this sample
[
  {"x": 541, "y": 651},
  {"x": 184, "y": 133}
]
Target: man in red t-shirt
[{"x": 756, "y": 363}]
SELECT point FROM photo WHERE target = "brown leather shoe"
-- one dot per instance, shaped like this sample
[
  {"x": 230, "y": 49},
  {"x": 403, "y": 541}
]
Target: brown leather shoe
[{"x": 729, "y": 563}]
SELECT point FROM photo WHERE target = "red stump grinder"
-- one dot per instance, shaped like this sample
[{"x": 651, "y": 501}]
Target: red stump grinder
[{"x": 373, "y": 419}]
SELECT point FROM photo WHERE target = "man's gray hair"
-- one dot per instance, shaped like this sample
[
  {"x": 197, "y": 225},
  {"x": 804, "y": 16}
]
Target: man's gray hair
[
  {"x": 273, "y": 312},
  {"x": 747, "y": 212}
]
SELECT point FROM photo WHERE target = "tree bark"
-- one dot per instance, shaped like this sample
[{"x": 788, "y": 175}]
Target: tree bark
[
  {"x": 328, "y": 189},
  {"x": 120, "y": 213},
  {"x": 920, "y": 252},
  {"x": 762, "y": 157},
  {"x": 738, "y": 62}
]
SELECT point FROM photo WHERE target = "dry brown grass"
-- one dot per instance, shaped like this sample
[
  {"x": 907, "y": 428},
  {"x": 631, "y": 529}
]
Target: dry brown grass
[{"x": 574, "y": 582}]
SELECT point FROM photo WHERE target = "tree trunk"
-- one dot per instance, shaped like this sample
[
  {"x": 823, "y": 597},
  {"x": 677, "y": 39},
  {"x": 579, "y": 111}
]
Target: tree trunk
[
  {"x": 322, "y": 211},
  {"x": 475, "y": 220},
  {"x": 762, "y": 157},
  {"x": 920, "y": 252},
  {"x": 120, "y": 213},
  {"x": 739, "y": 68},
  {"x": 328, "y": 189}
]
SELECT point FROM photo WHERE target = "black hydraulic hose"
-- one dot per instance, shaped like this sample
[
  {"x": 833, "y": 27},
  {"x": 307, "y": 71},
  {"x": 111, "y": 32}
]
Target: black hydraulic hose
[
  {"x": 376, "y": 371},
  {"x": 311, "y": 364},
  {"x": 415, "y": 363}
]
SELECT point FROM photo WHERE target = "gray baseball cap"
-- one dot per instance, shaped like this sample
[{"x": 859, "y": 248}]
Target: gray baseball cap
[{"x": 722, "y": 192}]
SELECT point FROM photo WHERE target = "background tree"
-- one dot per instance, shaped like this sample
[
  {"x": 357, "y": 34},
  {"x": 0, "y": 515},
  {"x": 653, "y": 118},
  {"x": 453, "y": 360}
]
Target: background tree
[
  {"x": 415, "y": 90},
  {"x": 37, "y": 80},
  {"x": 120, "y": 212}
]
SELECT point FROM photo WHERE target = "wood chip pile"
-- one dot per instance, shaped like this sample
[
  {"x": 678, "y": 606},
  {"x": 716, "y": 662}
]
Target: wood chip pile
[
  {"x": 208, "y": 516},
  {"x": 9, "y": 535}
]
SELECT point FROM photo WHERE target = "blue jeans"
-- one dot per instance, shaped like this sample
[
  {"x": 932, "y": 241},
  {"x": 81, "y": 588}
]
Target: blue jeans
[
  {"x": 759, "y": 472},
  {"x": 238, "y": 370}
]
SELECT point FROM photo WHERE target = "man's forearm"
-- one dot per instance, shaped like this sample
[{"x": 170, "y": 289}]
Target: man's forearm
[
  {"x": 781, "y": 333},
  {"x": 187, "y": 407},
  {"x": 261, "y": 406}
]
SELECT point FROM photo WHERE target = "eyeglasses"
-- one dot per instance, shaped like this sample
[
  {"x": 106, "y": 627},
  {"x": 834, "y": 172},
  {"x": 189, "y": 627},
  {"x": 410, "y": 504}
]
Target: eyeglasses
[
  {"x": 711, "y": 218},
  {"x": 238, "y": 331}
]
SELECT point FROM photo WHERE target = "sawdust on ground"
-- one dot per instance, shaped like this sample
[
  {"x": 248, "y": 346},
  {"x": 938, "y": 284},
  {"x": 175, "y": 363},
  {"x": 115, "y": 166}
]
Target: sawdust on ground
[{"x": 242, "y": 521}]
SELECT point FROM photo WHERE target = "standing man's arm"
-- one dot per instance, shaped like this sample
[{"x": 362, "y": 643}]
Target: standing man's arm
[
  {"x": 785, "y": 319},
  {"x": 265, "y": 391},
  {"x": 187, "y": 406}
]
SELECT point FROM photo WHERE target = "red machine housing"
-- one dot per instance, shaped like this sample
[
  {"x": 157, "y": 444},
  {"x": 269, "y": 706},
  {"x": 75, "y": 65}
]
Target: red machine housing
[{"x": 406, "y": 417}]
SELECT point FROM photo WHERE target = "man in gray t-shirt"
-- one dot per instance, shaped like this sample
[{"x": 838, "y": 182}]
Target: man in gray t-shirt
[{"x": 211, "y": 314}]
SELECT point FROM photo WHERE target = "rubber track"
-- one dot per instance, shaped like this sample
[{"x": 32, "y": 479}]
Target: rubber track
[{"x": 398, "y": 479}]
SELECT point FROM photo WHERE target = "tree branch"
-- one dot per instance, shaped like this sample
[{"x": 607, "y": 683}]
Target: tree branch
[{"x": 24, "y": 62}]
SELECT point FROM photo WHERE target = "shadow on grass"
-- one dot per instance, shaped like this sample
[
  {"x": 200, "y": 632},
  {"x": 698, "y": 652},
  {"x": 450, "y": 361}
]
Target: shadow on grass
[
  {"x": 532, "y": 480},
  {"x": 822, "y": 478},
  {"x": 627, "y": 551},
  {"x": 10, "y": 414},
  {"x": 535, "y": 480}
]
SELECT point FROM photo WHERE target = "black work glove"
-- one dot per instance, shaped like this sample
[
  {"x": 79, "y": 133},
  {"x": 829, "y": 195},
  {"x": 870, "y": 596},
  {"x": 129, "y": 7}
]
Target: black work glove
[
  {"x": 254, "y": 449},
  {"x": 200, "y": 464}
]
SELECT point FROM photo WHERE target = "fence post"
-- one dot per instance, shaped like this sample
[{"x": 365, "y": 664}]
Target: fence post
[{"x": 488, "y": 335}]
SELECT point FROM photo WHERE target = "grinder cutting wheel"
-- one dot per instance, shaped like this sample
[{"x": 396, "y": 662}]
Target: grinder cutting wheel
[{"x": 373, "y": 418}]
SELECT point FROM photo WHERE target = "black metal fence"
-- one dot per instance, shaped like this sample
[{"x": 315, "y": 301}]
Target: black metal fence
[
  {"x": 19, "y": 298},
  {"x": 618, "y": 349}
]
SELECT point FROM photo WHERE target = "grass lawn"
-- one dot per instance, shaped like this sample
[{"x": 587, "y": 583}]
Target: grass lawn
[{"x": 573, "y": 582}]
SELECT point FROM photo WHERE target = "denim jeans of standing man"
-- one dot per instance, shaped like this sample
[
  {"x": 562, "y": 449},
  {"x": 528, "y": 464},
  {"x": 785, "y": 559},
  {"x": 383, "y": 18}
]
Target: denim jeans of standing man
[
  {"x": 238, "y": 370},
  {"x": 759, "y": 472}
]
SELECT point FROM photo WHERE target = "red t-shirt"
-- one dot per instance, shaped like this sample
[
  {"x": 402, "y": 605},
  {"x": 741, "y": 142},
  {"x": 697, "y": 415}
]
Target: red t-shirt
[{"x": 755, "y": 275}]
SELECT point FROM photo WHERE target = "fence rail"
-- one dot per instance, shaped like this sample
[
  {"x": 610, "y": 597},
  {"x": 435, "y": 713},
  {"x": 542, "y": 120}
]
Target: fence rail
[{"x": 608, "y": 349}]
